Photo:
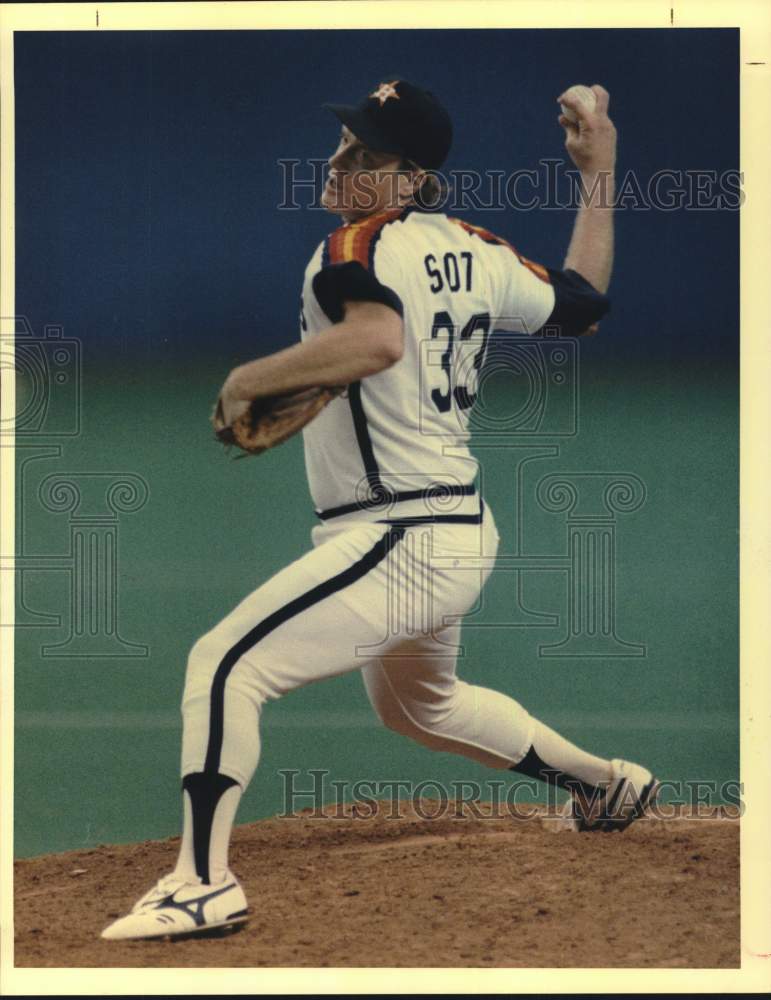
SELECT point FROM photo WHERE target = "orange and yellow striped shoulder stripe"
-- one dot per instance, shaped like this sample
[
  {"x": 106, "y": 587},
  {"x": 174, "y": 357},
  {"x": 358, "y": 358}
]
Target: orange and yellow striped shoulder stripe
[
  {"x": 357, "y": 240},
  {"x": 484, "y": 234}
]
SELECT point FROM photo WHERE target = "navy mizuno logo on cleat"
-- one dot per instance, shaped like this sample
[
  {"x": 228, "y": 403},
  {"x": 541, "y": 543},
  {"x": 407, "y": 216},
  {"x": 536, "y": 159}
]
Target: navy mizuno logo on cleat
[{"x": 192, "y": 907}]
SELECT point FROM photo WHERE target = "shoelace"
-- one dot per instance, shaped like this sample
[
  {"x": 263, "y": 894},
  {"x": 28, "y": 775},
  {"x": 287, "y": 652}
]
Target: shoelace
[
  {"x": 170, "y": 883},
  {"x": 165, "y": 887}
]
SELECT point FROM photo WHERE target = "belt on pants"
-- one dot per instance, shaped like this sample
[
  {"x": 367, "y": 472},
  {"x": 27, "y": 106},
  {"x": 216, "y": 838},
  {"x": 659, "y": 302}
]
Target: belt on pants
[{"x": 439, "y": 502}]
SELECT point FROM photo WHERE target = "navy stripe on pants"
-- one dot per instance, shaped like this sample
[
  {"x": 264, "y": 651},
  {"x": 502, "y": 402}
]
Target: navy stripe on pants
[{"x": 217, "y": 705}]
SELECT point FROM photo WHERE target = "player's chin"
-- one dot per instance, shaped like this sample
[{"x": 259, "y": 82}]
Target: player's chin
[{"x": 333, "y": 201}]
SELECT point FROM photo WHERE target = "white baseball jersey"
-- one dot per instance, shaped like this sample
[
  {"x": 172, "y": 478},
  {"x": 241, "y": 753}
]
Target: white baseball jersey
[
  {"x": 384, "y": 598},
  {"x": 375, "y": 451}
]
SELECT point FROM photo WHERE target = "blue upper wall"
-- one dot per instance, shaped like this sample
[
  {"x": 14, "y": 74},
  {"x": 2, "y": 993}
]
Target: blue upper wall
[{"x": 147, "y": 180}]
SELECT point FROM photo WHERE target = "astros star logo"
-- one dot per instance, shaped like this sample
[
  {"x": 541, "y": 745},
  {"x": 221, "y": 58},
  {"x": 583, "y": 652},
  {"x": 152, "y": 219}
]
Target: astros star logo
[{"x": 384, "y": 91}]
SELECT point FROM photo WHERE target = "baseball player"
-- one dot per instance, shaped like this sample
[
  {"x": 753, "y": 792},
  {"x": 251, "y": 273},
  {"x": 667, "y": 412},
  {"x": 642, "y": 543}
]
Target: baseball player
[{"x": 398, "y": 305}]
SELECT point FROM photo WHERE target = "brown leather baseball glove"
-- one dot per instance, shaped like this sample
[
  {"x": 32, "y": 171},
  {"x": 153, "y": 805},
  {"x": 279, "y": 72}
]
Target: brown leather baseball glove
[{"x": 272, "y": 419}]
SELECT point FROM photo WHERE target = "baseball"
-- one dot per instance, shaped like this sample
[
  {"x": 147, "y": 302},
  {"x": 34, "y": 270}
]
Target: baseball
[
  {"x": 584, "y": 95},
  {"x": 369, "y": 572}
]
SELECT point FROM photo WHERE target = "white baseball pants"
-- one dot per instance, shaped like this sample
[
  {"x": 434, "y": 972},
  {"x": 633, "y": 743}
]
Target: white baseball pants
[{"x": 382, "y": 598}]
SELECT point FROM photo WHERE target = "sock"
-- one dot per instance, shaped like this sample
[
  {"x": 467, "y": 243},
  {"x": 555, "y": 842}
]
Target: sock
[
  {"x": 210, "y": 802},
  {"x": 555, "y": 760}
]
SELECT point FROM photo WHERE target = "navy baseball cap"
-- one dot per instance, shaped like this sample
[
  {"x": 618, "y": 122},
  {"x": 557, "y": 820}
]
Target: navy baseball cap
[{"x": 400, "y": 118}]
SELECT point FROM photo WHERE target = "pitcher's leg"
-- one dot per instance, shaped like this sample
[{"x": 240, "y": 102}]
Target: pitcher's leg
[
  {"x": 419, "y": 695},
  {"x": 306, "y": 623}
]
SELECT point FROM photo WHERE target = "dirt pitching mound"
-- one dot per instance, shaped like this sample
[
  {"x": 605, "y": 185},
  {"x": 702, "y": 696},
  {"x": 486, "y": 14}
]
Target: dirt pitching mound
[{"x": 399, "y": 890}]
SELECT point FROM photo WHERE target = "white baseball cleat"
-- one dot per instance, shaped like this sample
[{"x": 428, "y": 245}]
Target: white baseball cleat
[
  {"x": 177, "y": 906},
  {"x": 630, "y": 793}
]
